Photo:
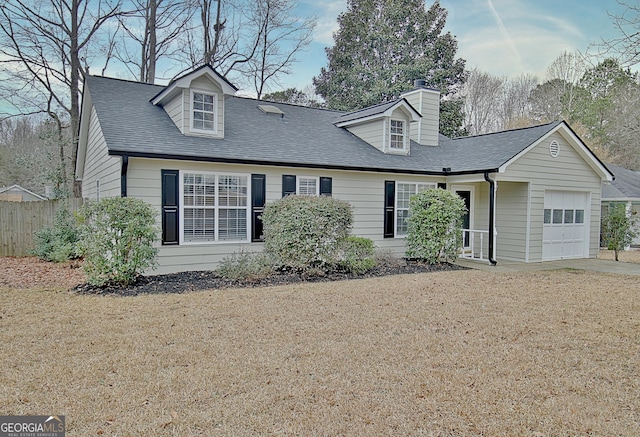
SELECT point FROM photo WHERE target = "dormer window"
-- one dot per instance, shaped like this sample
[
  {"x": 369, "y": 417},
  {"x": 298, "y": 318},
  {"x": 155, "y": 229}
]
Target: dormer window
[
  {"x": 204, "y": 112},
  {"x": 397, "y": 134}
]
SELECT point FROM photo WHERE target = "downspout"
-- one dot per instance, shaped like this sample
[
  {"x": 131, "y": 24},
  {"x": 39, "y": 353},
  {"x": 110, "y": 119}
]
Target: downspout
[
  {"x": 492, "y": 218},
  {"x": 123, "y": 176}
]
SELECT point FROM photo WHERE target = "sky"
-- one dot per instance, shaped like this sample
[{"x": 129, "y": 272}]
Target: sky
[{"x": 501, "y": 37}]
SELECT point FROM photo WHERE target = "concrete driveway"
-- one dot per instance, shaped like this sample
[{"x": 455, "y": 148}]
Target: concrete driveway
[{"x": 590, "y": 264}]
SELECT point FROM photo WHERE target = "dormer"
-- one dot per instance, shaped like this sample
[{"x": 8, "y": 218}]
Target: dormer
[
  {"x": 195, "y": 102},
  {"x": 386, "y": 126}
]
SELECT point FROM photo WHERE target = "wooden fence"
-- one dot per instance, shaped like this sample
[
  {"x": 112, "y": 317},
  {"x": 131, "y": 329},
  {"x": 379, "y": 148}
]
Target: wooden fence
[{"x": 19, "y": 221}]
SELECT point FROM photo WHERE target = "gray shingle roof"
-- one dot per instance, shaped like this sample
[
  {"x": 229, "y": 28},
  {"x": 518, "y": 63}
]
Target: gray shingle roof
[
  {"x": 303, "y": 137},
  {"x": 625, "y": 186}
]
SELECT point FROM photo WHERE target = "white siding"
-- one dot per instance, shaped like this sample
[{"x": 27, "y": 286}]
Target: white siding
[
  {"x": 99, "y": 165},
  {"x": 567, "y": 172},
  {"x": 511, "y": 220},
  {"x": 364, "y": 191},
  {"x": 427, "y": 103},
  {"x": 175, "y": 110},
  {"x": 372, "y": 133}
]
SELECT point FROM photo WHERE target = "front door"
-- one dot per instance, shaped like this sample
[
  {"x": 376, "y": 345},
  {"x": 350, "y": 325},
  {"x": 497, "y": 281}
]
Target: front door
[{"x": 466, "y": 194}]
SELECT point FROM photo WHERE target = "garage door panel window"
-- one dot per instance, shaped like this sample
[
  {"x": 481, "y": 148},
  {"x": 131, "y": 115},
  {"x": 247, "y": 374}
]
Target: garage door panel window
[
  {"x": 568, "y": 216},
  {"x": 557, "y": 216},
  {"x": 579, "y": 216}
]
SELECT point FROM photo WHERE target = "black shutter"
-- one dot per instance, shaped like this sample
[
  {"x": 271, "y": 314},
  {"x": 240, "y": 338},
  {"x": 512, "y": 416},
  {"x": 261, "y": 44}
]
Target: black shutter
[
  {"x": 258, "y": 198},
  {"x": 170, "y": 208},
  {"x": 288, "y": 184},
  {"x": 442, "y": 185},
  {"x": 389, "y": 208},
  {"x": 325, "y": 186}
]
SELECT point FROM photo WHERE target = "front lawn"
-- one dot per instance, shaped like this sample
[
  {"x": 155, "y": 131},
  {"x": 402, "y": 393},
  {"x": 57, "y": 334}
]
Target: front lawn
[{"x": 449, "y": 353}]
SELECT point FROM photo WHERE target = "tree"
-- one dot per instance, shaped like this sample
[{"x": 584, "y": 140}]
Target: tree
[
  {"x": 481, "y": 91},
  {"x": 295, "y": 96},
  {"x": 251, "y": 42},
  {"x": 44, "y": 45},
  {"x": 514, "y": 109},
  {"x": 626, "y": 47},
  {"x": 381, "y": 47},
  {"x": 618, "y": 228},
  {"x": 282, "y": 37},
  {"x": 153, "y": 28},
  {"x": 608, "y": 106}
]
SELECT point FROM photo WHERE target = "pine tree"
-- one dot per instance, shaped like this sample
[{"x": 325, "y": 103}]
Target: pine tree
[{"x": 381, "y": 47}]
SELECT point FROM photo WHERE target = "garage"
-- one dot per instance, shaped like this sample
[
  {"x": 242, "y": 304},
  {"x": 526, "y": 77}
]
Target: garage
[{"x": 566, "y": 222}]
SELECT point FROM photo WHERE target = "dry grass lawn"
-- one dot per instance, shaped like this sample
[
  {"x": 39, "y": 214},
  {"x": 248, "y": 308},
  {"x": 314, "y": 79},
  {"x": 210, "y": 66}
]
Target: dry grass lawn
[
  {"x": 453, "y": 353},
  {"x": 628, "y": 256}
]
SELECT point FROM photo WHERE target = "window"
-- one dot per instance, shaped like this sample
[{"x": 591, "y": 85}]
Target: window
[
  {"x": 566, "y": 216},
  {"x": 307, "y": 186},
  {"x": 397, "y": 135},
  {"x": 214, "y": 207},
  {"x": 404, "y": 191},
  {"x": 203, "y": 112}
]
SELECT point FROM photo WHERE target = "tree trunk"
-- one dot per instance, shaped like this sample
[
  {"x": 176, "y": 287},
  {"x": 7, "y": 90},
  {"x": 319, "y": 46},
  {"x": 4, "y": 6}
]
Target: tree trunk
[{"x": 74, "y": 87}]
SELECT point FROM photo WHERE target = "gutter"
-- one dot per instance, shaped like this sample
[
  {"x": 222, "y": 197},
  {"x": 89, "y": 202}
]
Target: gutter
[
  {"x": 123, "y": 175},
  {"x": 492, "y": 218},
  {"x": 296, "y": 164}
]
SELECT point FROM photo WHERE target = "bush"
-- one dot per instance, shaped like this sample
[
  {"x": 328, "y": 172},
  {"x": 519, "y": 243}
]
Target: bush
[
  {"x": 117, "y": 240},
  {"x": 58, "y": 242},
  {"x": 245, "y": 266},
  {"x": 357, "y": 255},
  {"x": 435, "y": 224},
  {"x": 305, "y": 232},
  {"x": 618, "y": 228}
]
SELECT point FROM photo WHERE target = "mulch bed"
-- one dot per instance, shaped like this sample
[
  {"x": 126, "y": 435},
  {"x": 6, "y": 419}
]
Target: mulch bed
[{"x": 208, "y": 280}]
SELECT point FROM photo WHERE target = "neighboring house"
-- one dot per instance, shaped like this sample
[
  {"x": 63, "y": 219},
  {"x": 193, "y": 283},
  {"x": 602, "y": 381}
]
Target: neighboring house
[
  {"x": 209, "y": 161},
  {"x": 624, "y": 189},
  {"x": 16, "y": 193}
]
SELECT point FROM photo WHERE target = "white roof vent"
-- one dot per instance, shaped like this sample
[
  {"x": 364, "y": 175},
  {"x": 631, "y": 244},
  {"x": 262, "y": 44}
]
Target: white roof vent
[
  {"x": 554, "y": 149},
  {"x": 270, "y": 109}
]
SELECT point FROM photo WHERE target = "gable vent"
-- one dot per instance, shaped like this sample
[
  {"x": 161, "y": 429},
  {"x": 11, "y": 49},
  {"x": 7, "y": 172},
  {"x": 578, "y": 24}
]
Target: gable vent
[
  {"x": 554, "y": 149},
  {"x": 270, "y": 109}
]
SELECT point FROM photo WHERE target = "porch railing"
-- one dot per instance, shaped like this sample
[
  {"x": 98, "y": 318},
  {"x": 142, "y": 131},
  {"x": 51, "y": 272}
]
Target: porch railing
[{"x": 475, "y": 244}]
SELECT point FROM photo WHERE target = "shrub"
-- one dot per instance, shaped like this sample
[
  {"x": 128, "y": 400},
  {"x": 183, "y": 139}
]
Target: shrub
[
  {"x": 245, "y": 266},
  {"x": 117, "y": 240},
  {"x": 58, "y": 242},
  {"x": 435, "y": 223},
  {"x": 303, "y": 232},
  {"x": 618, "y": 228},
  {"x": 357, "y": 255}
]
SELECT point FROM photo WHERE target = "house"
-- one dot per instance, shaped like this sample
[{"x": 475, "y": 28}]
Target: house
[
  {"x": 16, "y": 193},
  {"x": 624, "y": 189},
  {"x": 208, "y": 161}
]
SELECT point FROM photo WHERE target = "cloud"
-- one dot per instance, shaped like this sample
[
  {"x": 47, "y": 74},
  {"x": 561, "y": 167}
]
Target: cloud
[
  {"x": 327, "y": 13},
  {"x": 512, "y": 37}
]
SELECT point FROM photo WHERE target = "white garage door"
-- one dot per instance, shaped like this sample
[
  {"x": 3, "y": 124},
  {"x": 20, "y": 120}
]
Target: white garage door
[{"x": 566, "y": 224}]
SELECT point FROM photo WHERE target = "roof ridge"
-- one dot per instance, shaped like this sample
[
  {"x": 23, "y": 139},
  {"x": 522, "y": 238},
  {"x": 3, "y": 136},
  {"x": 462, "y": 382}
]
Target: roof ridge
[
  {"x": 287, "y": 104},
  {"x": 507, "y": 130},
  {"x": 136, "y": 82},
  {"x": 375, "y": 106}
]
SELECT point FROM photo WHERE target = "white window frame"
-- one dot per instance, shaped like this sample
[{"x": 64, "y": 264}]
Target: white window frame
[
  {"x": 314, "y": 178},
  {"x": 216, "y": 208},
  {"x": 213, "y": 131},
  {"x": 403, "y": 135},
  {"x": 424, "y": 186}
]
